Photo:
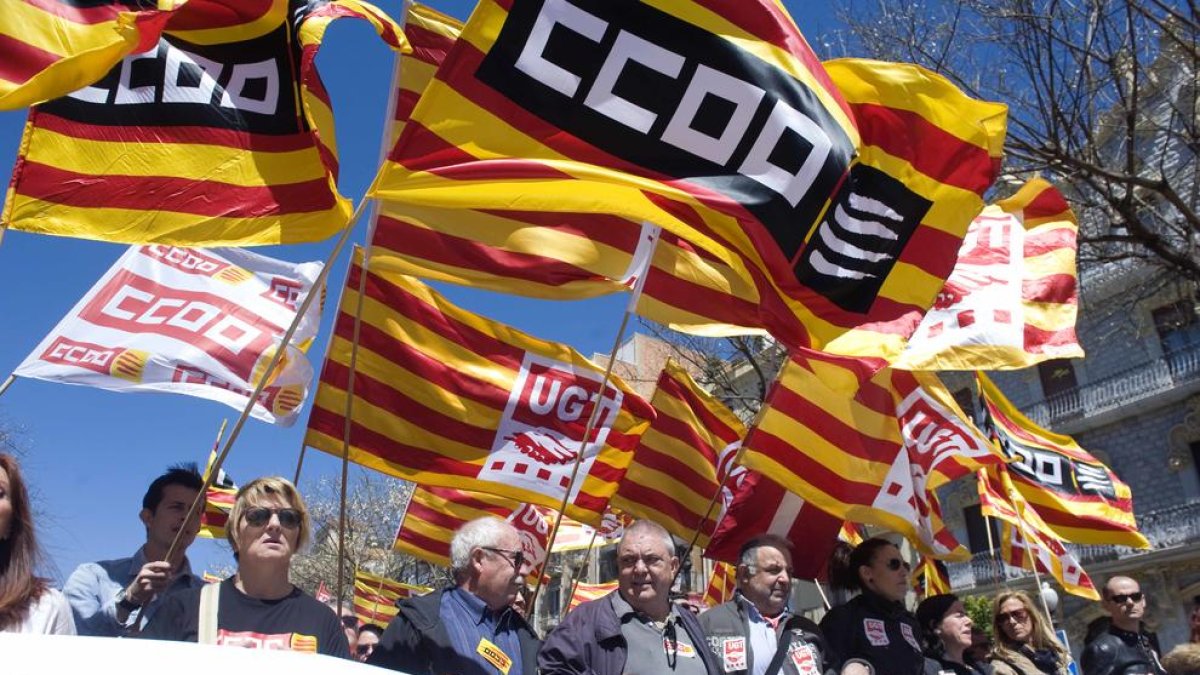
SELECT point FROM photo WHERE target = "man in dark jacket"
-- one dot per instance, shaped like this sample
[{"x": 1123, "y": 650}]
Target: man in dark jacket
[
  {"x": 471, "y": 628},
  {"x": 755, "y": 634},
  {"x": 1126, "y": 648},
  {"x": 635, "y": 630}
]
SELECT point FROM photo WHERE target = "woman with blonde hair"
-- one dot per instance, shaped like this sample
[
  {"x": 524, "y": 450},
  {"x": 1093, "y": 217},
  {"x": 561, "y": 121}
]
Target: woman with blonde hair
[
  {"x": 27, "y": 602},
  {"x": 258, "y": 607},
  {"x": 1024, "y": 643}
]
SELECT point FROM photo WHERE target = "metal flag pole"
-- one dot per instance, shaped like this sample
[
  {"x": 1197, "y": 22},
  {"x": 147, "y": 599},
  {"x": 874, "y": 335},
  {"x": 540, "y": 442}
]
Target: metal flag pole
[{"x": 7, "y": 383}]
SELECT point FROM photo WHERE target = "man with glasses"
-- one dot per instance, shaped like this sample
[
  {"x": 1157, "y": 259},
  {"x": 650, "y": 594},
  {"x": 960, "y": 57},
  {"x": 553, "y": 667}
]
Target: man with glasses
[
  {"x": 115, "y": 598},
  {"x": 1126, "y": 648},
  {"x": 470, "y": 628},
  {"x": 754, "y": 633},
  {"x": 635, "y": 630}
]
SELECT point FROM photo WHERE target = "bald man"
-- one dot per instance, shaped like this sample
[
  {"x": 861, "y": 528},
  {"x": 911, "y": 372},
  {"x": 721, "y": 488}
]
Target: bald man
[{"x": 1126, "y": 648}]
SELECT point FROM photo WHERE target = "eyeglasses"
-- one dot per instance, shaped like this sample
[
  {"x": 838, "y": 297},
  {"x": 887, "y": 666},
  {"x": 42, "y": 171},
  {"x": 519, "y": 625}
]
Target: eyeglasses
[
  {"x": 350, "y": 622},
  {"x": 260, "y": 515},
  {"x": 364, "y": 650},
  {"x": 1120, "y": 598},
  {"x": 1015, "y": 616},
  {"x": 896, "y": 563},
  {"x": 517, "y": 558}
]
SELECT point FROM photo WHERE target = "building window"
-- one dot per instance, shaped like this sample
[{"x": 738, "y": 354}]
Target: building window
[
  {"x": 977, "y": 529},
  {"x": 965, "y": 400},
  {"x": 607, "y": 564},
  {"x": 1195, "y": 447},
  {"x": 1178, "y": 328}
]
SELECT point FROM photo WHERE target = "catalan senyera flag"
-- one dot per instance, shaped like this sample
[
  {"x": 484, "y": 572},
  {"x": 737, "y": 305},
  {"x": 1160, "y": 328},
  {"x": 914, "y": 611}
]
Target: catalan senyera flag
[
  {"x": 930, "y": 578},
  {"x": 1012, "y": 299},
  {"x": 1025, "y": 539},
  {"x": 588, "y": 592},
  {"x": 851, "y": 533},
  {"x": 218, "y": 501},
  {"x": 721, "y": 584},
  {"x": 444, "y": 397},
  {"x": 210, "y": 578},
  {"x": 867, "y": 448},
  {"x": 505, "y": 133},
  {"x": 1080, "y": 498},
  {"x": 759, "y": 505},
  {"x": 375, "y": 597},
  {"x": 682, "y": 458},
  {"x": 217, "y": 131}
]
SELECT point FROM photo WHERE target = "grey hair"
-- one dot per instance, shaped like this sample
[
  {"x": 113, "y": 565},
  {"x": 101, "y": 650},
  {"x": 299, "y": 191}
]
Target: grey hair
[
  {"x": 749, "y": 552},
  {"x": 478, "y": 533},
  {"x": 652, "y": 528}
]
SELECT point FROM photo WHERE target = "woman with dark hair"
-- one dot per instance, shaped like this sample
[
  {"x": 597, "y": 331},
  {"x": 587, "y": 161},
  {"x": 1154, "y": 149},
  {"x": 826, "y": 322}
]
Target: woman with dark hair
[
  {"x": 1024, "y": 643},
  {"x": 947, "y": 629},
  {"x": 27, "y": 603},
  {"x": 874, "y": 626}
]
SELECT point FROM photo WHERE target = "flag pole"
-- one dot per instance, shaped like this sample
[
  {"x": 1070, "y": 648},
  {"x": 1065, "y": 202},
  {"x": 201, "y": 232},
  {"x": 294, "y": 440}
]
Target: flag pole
[
  {"x": 575, "y": 582},
  {"x": 711, "y": 503},
  {"x": 312, "y": 295},
  {"x": 7, "y": 383},
  {"x": 993, "y": 555},
  {"x": 643, "y": 262},
  {"x": 822, "y": 592}
]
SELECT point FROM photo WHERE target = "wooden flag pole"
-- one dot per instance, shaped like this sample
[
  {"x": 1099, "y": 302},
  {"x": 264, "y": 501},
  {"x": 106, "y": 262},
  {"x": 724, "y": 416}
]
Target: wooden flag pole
[
  {"x": 994, "y": 555},
  {"x": 575, "y": 582},
  {"x": 820, "y": 590},
  {"x": 7, "y": 383},
  {"x": 312, "y": 295},
  {"x": 347, "y": 425}
]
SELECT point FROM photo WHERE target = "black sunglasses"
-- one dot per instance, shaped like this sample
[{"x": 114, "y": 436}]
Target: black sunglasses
[
  {"x": 517, "y": 558},
  {"x": 260, "y": 515},
  {"x": 896, "y": 563},
  {"x": 1120, "y": 598}
]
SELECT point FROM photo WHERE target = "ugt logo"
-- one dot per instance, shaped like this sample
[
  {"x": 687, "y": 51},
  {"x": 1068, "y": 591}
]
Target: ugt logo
[{"x": 541, "y": 431}]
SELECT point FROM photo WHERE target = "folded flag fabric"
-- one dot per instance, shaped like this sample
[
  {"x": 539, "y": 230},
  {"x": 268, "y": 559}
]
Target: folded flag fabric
[{"x": 375, "y": 597}]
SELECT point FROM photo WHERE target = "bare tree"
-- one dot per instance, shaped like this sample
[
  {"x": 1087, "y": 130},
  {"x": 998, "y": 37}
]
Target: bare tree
[{"x": 1102, "y": 98}]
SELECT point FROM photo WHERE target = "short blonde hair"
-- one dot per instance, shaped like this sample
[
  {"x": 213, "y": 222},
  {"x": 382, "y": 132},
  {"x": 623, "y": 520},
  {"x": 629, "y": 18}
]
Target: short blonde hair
[
  {"x": 254, "y": 492},
  {"x": 1183, "y": 660}
]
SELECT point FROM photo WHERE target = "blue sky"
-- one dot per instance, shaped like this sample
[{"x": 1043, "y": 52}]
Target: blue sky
[{"x": 89, "y": 454}]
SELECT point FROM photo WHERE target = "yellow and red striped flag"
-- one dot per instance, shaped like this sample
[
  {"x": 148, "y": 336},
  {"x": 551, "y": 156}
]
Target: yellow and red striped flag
[
  {"x": 1082, "y": 500},
  {"x": 851, "y": 533},
  {"x": 224, "y": 137},
  {"x": 375, "y": 597},
  {"x": 1025, "y": 539},
  {"x": 210, "y": 578},
  {"x": 867, "y": 450},
  {"x": 495, "y": 140},
  {"x": 930, "y": 577},
  {"x": 588, "y": 592},
  {"x": 1012, "y": 300},
  {"x": 444, "y": 397},
  {"x": 682, "y": 458},
  {"x": 218, "y": 502},
  {"x": 721, "y": 584}
]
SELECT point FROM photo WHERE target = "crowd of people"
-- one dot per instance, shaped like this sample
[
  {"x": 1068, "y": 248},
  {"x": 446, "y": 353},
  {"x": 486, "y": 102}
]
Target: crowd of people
[{"x": 476, "y": 627}]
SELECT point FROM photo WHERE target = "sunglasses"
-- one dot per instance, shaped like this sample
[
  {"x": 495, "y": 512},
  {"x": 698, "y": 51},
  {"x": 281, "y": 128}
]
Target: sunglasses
[
  {"x": 896, "y": 563},
  {"x": 364, "y": 650},
  {"x": 260, "y": 515},
  {"x": 1015, "y": 616},
  {"x": 517, "y": 558},
  {"x": 1120, "y": 598},
  {"x": 350, "y": 622}
]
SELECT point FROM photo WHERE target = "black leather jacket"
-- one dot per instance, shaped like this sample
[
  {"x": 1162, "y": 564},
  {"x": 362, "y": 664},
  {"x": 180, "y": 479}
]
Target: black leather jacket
[{"x": 1120, "y": 652}]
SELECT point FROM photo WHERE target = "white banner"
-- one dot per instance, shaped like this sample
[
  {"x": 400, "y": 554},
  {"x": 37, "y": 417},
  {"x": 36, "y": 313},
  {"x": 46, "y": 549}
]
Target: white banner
[{"x": 202, "y": 322}]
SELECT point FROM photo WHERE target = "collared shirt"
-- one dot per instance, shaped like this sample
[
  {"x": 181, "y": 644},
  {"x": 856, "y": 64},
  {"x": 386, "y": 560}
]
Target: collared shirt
[
  {"x": 94, "y": 589},
  {"x": 469, "y": 621},
  {"x": 655, "y": 647},
  {"x": 763, "y": 638}
]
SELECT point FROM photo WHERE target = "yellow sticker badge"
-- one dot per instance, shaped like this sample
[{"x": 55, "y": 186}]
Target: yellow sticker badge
[{"x": 494, "y": 655}]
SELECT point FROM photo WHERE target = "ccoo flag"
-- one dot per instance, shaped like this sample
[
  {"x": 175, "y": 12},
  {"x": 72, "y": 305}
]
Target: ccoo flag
[
  {"x": 867, "y": 450},
  {"x": 444, "y": 397},
  {"x": 1082, "y": 500},
  {"x": 682, "y": 459},
  {"x": 217, "y": 131},
  {"x": 1011, "y": 301},
  {"x": 733, "y": 140}
]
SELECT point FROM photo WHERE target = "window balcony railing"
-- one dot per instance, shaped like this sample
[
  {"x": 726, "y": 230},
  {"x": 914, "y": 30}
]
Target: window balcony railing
[
  {"x": 1122, "y": 389},
  {"x": 1169, "y": 528}
]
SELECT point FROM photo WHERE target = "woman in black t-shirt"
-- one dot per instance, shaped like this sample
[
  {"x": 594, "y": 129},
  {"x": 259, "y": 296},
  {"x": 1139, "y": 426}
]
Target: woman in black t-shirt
[{"x": 258, "y": 607}]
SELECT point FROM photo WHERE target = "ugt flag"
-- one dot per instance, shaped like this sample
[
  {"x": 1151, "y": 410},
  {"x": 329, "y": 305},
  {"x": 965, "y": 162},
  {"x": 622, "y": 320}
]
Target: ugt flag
[{"x": 203, "y": 322}]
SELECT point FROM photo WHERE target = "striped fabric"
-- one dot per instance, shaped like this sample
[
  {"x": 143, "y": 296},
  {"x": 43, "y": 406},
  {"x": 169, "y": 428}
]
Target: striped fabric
[
  {"x": 444, "y": 397},
  {"x": 867, "y": 450},
  {"x": 225, "y": 136},
  {"x": 1026, "y": 539},
  {"x": 930, "y": 578},
  {"x": 375, "y": 597},
  {"x": 1011, "y": 301},
  {"x": 504, "y": 177},
  {"x": 760, "y": 505},
  {"x": 588, "y": 592},
  {"x": 1082, "y": 500},
  {"x": 218, "y": 502},
  {"x": 679, "y": 464},
  {"x": 434, "y": 514},
  {"x": 852, "y": 533},
  {"x": 721, "y": 584}
]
